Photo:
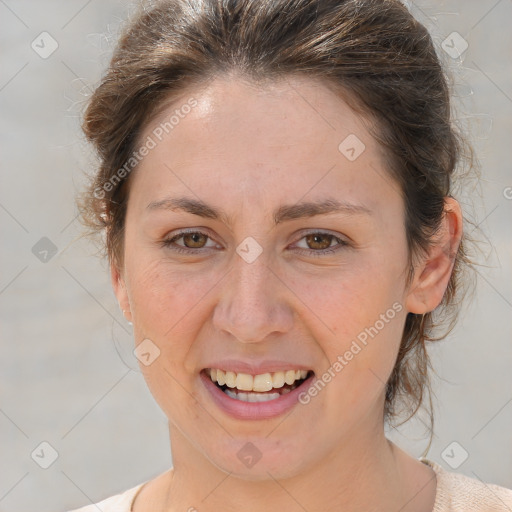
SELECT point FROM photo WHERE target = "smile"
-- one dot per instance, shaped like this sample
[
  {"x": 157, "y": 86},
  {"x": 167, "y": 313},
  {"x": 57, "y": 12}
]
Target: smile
[{"x": 257, "y": 388}]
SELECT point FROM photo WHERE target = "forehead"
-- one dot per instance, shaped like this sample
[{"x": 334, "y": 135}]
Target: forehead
[
  {"x": 307, "y": 108},
  {"x": 294, "y": 137}
]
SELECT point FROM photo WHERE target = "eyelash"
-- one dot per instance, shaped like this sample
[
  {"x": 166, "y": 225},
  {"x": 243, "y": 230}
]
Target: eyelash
[{"x": 169, "y": 243}]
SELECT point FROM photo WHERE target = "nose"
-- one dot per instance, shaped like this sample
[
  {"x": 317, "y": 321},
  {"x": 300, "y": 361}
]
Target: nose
[{"x": 253, "y": 302}]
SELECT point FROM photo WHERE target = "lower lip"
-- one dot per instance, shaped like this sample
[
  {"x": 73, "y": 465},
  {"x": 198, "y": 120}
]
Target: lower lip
[{"x": 254, "y": 410}]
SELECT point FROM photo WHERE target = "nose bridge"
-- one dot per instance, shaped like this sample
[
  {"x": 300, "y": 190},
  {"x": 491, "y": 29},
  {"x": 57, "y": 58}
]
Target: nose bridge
[
  {"x": 251, "y": 303},
  {"x": 249, "y": 280}
]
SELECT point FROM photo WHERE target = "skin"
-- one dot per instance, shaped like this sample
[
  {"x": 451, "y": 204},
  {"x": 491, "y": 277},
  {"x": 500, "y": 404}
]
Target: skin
[{"x": 249, "y": 149}]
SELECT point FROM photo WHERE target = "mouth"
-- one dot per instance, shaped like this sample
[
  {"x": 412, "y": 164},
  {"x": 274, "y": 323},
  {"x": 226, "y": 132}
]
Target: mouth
[{"x": 257, "y": 388}]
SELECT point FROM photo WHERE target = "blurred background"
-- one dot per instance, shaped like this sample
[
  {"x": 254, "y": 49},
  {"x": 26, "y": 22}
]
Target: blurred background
[{"x": 77, "y": 423}]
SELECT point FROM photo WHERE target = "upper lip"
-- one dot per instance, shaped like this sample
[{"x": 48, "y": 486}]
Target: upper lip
[{"x": 256, "y": 367}]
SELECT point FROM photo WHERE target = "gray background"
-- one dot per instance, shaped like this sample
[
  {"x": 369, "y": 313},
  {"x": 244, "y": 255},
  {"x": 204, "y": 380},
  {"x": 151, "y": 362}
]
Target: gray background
[{"x": 67, "y": 373}]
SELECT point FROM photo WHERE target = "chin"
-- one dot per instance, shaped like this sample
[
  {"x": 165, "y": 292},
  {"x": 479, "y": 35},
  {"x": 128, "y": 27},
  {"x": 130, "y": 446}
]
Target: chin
[{"x": 260, "y": 458}]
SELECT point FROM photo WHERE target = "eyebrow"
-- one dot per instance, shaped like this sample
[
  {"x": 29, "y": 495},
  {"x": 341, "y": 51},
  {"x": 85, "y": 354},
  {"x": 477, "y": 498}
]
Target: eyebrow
[{"x": 282, "y": 214}]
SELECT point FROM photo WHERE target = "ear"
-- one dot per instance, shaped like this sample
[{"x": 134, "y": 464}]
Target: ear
[
  {"x": 119, "y": 286},
  {"x": 432, "y": 275}
]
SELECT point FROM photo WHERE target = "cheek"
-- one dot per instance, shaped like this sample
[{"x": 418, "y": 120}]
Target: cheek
[
  {"x": 364, "y": 312},
  {"x": 348, "y": 302},
  {"x": 163, "y": 297},
  {"x": 165, "y": 303}
]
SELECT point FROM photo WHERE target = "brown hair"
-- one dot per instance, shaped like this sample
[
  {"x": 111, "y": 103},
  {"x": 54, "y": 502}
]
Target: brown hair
[{"x": 372, "y": 51}]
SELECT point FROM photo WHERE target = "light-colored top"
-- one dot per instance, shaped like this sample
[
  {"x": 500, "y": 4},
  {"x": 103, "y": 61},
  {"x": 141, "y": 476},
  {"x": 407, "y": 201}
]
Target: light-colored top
[{"x": 454, "y": 493}]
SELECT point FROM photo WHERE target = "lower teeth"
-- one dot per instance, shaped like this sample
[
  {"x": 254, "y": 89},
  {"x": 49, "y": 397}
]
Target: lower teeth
[{"x": 256, "y": 397}]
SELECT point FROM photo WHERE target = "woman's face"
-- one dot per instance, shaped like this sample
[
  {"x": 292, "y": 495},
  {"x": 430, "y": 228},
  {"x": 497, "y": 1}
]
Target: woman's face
[{"x": 298, "y": 263}]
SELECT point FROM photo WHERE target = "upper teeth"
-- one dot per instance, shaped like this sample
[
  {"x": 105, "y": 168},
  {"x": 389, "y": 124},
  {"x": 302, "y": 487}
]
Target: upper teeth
[{"x": 261, "y": 382}]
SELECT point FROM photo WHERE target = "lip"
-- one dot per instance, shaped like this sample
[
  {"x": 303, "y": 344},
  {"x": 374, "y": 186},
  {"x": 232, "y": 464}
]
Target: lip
[{"x": 254, "y": 410}]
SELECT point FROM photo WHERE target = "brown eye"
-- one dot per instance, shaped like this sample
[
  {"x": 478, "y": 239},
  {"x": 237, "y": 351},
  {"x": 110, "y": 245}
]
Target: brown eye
[
  {"x": 319, "y": 241},
  {"x": 194, "y": 240}
]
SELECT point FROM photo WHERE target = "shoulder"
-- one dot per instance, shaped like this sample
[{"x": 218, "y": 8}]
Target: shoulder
[
  {"x": 459, "y": 493},
  {"x": 118, "y": 503}
]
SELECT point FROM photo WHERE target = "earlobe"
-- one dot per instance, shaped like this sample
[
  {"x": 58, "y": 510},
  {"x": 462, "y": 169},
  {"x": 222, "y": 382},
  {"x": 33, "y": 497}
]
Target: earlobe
[
  {"x": 119, "y": 287},
  {"x": 433, "y": 274}
]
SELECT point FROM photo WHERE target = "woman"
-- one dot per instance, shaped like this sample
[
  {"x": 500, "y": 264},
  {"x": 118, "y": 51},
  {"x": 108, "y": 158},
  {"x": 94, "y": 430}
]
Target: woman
[{"x": 275, "y": 190}]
